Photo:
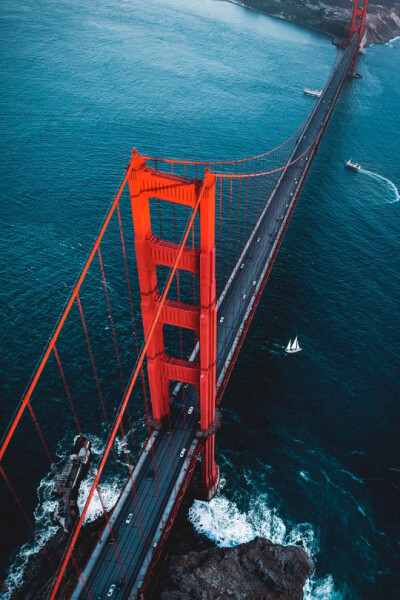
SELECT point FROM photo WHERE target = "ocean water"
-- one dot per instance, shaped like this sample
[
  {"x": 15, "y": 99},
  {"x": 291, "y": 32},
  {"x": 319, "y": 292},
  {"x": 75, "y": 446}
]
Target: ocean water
[{"x": 308, "y": 446}]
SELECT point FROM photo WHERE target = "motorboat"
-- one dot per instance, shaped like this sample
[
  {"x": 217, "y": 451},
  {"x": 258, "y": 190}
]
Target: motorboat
[
  {"x": 313, "y": 93},
  {"x": 352, "y": 165}
]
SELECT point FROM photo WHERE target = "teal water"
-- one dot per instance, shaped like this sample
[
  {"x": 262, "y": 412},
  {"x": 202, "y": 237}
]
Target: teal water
[{"x": 309, "y": 446}]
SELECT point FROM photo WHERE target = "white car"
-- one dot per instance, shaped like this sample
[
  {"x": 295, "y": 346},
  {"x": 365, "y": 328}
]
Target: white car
[
  {"x": 129, "y": 518},
  {"x": 111, "y": 591}
]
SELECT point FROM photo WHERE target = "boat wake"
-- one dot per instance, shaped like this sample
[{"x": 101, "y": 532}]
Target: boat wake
[
  {"x": 378, "y": 177},
  {"x": 222, "y": 521}
]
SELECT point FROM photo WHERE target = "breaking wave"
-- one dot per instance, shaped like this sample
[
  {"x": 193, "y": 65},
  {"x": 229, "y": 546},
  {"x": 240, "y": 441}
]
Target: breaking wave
[
  {"x": 222, "y": 521},
  {"x": 45, "y": 528},
  {"x": 304, "y": 475},
  {"x": 47, "y": 506},
  {"x": 110, "y": 491}
]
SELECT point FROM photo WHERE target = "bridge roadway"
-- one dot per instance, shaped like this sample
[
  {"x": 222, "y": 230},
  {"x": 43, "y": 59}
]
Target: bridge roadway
[{"x": 171, "y": 450}]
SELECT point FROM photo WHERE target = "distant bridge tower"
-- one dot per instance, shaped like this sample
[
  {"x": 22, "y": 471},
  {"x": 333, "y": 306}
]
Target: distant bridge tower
[
  {"x": 146, "y": 183},
  {"x": 357, "y": 26}
]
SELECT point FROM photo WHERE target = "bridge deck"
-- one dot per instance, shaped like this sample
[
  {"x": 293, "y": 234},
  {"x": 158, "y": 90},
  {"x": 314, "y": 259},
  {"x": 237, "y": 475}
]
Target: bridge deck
[{"x": 155, "y": 497}]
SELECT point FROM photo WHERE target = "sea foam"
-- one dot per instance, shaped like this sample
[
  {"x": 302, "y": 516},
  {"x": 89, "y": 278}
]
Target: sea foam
[
  {"x": 223, "y": 522},
  {"x": 110, "y": 491},
  {"x": 46, "y": 506}
]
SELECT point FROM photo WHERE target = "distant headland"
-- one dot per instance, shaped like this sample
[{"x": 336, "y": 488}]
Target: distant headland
[{"x": 332, "y": 16}]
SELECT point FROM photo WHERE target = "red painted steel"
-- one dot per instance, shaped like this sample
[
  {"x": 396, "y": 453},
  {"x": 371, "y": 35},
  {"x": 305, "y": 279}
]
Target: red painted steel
[
  {"x": 208, "y": 335},
  {"x": 214, "y": 163},
  {"x": 246, "y": 325},
  {"x": 127, "y": 394},
  {"x": 146, "y": 183},
  {"x": 181, "y": 315},
  {"x": 164, "y": 253},
  {"x": 61, "y": 322},
  {"x": 358, "y": 17}
]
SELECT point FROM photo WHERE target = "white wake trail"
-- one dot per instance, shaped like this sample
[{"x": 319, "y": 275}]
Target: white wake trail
[{"x": 386, "y": 180}]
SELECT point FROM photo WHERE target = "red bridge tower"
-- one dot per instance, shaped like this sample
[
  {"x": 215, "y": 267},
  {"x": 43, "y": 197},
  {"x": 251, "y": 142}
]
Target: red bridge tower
[
  {"x": 146, "y": 183},
  {"x": 357, "y": 26}
]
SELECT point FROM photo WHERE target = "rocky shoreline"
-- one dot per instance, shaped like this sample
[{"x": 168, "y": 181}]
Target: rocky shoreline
[
  {"x": 38, "y": 574},
  {"x": 382, "y": 24},
  {"x": 257, "y": 569},
  {"x": 192, "y": 566}
]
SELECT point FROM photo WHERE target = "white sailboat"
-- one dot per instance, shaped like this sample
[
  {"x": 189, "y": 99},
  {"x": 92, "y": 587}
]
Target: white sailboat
[{"x": 291, "y": 348}]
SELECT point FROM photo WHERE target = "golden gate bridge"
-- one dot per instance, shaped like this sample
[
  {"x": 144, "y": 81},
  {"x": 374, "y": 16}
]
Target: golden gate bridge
[{"x": 206, "y": 235}]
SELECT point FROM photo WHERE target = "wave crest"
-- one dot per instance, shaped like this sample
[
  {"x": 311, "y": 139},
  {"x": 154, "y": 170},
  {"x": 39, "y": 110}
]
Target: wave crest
[{"x": 222, "y": 521}]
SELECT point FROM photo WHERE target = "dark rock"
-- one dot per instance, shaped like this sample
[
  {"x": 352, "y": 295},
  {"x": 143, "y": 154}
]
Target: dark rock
[
  {"x": 256, "y": 570},
  {"x": 38, "y": 574},
  {"x": 66, "y": 487}
]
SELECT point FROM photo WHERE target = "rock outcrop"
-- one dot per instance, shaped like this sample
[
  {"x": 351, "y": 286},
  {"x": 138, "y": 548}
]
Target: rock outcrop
[
  {"x": 382, "y": 26},
  {"x": 41, "y": 565},
  {"x": 258, "y": 570},
  {"x": 333, "y": 16}
]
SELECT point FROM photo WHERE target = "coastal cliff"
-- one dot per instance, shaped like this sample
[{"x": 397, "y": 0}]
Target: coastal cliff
[
  {"x": 382, "y": 26},
  {"x": 257, "y": 569},
  {"x": 332, "y": 18},
  {"x": 194, "y": 568}
]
